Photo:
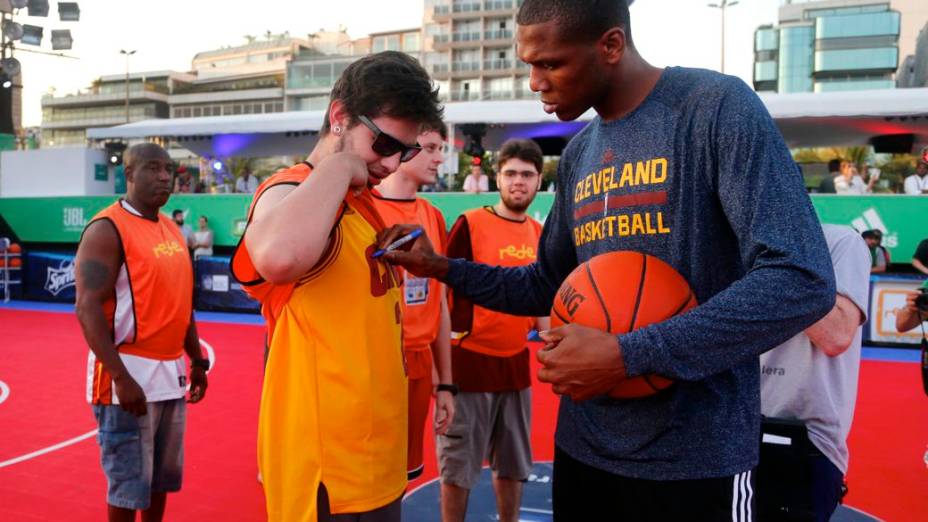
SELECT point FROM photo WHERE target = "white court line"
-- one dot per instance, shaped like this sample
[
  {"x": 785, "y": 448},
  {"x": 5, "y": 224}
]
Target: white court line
[
  {"x": 864, "y": 513},
  {"x": 5, "y": 392},
  {"x": 210, "y": 354},
  {"x": 49, "y": 449}
]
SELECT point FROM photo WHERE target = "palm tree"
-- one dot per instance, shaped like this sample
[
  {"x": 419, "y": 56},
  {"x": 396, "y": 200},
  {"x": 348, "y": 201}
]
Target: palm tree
[{"x": 858, "y": 155}]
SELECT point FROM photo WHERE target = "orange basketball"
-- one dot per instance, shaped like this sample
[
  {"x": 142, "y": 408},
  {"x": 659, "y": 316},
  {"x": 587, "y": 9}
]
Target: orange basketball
[
  {"x": 618, "y": 292},
  {"x": 16, "y": 262},
  {"x": 15, "y": 248}
]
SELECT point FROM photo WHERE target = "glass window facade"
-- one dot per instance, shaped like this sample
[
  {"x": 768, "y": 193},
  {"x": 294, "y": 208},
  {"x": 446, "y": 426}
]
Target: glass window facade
[
  {"x": 315, "y": 75},
  {"x": 886, "y": 58},
  {"x": 870, "y": 24},
  {"x": 853, "y": 84},
  {"x": 311, "y": 103},
  {"x": 120, "y": 87},
  {"x": 767, "y": 39},
  {"x": 812, "y": 14},
  {"x": 836, "y": 48},
  {"x": 795, "y": 67},
  {"x": 63, "y": 138},
  {"x": 765, "y": 71},
  {"x": 498, "y": 89},
  {"x": 220, "y": 109},
  {"x": 411, "y": 43},
  {"x": 96, "y": 115}
]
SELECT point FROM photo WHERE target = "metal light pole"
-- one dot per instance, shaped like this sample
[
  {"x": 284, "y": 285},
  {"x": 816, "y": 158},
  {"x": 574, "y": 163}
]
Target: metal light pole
[
  {"x": 128, "y": 54},
  {"x": 721, "y": 6}
]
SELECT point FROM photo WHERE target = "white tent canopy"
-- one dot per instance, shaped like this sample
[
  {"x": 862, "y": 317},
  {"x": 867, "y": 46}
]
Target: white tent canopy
[{"x": 806, "y": 120}]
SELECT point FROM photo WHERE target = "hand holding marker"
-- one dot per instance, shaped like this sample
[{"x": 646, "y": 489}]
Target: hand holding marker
[{"x": 398, "y": 243}]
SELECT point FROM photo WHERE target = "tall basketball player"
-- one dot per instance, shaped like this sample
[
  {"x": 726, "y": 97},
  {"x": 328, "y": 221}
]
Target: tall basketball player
[{"x": 685, "y": 165}]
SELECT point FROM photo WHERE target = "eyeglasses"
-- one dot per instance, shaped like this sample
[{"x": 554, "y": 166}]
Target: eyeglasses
[{"x": 387, "y": 145}]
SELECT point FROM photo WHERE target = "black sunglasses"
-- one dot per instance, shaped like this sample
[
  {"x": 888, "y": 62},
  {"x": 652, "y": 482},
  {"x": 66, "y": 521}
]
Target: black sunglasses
[{"x": 387, "y": 145}]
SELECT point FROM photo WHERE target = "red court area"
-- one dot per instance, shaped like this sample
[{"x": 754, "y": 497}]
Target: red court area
[{"x": 43, "y": 364}]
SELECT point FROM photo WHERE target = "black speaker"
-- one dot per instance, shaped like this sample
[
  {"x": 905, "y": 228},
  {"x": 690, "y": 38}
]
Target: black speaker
[
  {"x": 551, "y": 145},
  {"x": 114, "y": 151},
  {"x": 893, "y": 143},
  {"x": 474, "y": 133},
  {"x": 6, "y": 105}
]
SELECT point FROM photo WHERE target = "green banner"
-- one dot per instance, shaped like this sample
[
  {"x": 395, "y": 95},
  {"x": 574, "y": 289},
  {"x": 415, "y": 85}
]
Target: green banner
[
  {"x": 453, "y": 204},
  {"x": 901, "y": 218},
  {"x": 61, "y": 220}
]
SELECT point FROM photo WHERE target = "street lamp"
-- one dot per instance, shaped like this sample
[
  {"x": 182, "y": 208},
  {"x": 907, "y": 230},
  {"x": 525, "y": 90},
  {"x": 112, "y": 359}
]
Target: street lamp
[
  {"x": 128, "y": 54},
  {"x": 721, "y": 6}
]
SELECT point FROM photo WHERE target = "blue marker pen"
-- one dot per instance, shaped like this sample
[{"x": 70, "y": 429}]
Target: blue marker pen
[{"x": 398, "y": 243}]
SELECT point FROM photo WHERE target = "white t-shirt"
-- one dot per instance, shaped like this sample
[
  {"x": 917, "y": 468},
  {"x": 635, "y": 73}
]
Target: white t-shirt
[
  {"x": 799, "y": 381},
  {"x": 248, "y": 187},
  {"x": 472, "y": 185},
  {"x": 916, "y": 184},
  {"x": 855, "y": 186},
  {"x": 203, "y": 237}
]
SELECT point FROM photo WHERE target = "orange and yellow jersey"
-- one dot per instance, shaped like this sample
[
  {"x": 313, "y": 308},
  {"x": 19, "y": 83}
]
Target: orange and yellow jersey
[
  {"x": 421, "y": 295},
  {"x": 493, "y": 240},
  {"x": 334, "y": 402},
  {"x": 149, "y": 311}
]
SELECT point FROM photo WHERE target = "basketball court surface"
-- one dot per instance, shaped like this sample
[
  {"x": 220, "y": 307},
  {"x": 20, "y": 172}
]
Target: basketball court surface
[{"x": 50, "y": 462}]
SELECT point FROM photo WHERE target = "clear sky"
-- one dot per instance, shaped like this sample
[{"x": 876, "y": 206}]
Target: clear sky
[{"x": 167, "y": 33}]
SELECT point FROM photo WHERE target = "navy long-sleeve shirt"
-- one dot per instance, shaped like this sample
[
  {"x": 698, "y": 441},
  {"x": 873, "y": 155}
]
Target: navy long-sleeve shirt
[{"x": 698, "y": 176}]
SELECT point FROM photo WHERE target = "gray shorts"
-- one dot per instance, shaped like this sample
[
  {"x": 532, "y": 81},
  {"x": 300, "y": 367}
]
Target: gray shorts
[
  {"x": 492, "y": 426},
  {"x": 141, "y": 454}
]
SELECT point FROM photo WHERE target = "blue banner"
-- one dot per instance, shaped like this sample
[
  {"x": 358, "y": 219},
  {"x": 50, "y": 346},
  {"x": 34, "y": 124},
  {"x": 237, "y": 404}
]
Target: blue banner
[
  {"x": 217, "y": 290},
  {"x": 48, "y": 277}
]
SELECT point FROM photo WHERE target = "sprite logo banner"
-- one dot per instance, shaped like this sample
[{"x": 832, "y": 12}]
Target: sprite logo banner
[
  {"x": 60, "y": 278},
  {"x": 61, "y": 220}
]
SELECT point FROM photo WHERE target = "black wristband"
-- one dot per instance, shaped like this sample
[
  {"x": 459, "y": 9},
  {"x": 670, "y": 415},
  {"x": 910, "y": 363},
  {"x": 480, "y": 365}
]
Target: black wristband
[
  {"x": 450, "y": 388},
  {"x": 200, "y": 363}
]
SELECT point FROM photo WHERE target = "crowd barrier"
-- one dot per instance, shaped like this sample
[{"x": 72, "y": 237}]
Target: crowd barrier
[
  {"x": 217, "y": 290},
  {"x": 887, "y": 298},
  {"x": 50, "y": 277}
]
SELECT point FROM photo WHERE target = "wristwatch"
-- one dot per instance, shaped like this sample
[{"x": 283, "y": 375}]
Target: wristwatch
[
  {"x": 451, "y": 388},
  {"x": 200, "y": 363}
]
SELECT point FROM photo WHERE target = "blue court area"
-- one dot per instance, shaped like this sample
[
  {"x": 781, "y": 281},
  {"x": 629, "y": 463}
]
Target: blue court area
[{"x": 421, "y": 504}]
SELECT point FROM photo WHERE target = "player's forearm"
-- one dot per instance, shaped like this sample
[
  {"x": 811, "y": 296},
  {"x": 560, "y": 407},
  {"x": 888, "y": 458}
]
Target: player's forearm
[
  {"x": 519, "y": 290},
  {"x": 907, "y": 319},
  {"x": 834, "y": 333},
  {"x": 919, "y": 266},
  {"x": 441, "y": 348},
  {"x": 192, "y": 341}
]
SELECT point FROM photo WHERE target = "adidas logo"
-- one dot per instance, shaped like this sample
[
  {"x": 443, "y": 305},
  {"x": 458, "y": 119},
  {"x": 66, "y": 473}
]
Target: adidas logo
[{"x": 870, "y": 220}]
